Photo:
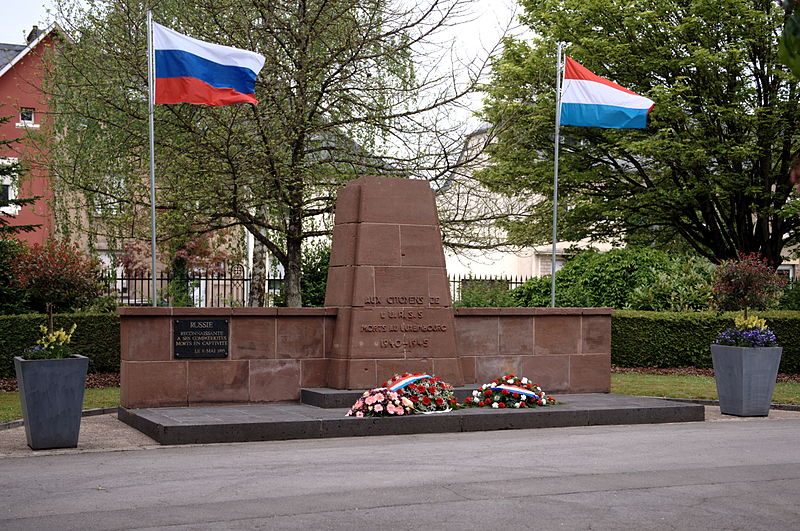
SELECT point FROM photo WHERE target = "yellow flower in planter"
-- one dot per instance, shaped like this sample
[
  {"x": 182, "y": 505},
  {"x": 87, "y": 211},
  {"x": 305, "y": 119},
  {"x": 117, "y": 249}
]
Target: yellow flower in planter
[{"x": 52, "y": 344}]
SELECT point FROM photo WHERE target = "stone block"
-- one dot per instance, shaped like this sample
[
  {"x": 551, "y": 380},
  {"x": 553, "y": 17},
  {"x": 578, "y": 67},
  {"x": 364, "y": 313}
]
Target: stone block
[
  {"x": 344, "y": 252},
  {"x": 146, "y": 339},
  {"x": 488, "y": 368},
  {"x": 477, "y": 336},
  {"x": 590, "y": 373},
  {"x": 449, "y": 370},
  {"x": 339, "y": 291},
  {"x": 378, "y": 245},
  {"x": 551, "y": 373},
  {"x": 153, "y": 384},
  {"x": 596, "y": 335},
  {"x": 386, "y": 200},
  {"x": 515, "y": 335},
  {"x": 299, "y": 337},
  {"x": 468, "y": 369},
  {"x": 275, "y": 380},
  {"x": 348, "y": 201},
  {"x": 421, "y": 245},
  {"x": 361, "y": 374},
  {"x": 218, "y": 381},
  {"x": 252, "y": 338},
  {"x": 557, "y": 334},
  {"x": 313, "y": 372}
]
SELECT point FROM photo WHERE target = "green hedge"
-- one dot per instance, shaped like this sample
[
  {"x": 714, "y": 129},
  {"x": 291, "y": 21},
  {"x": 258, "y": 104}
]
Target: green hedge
[
  {"x": 683, "y": 339},
  {"x": 96, "y": 337}
]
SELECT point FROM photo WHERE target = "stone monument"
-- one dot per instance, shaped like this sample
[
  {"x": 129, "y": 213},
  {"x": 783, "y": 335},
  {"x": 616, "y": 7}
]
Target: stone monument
[{"x": 388, "y": 281}]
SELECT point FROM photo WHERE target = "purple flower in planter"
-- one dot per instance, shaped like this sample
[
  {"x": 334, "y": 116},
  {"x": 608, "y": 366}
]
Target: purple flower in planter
[{"x": 748, "y": 337}]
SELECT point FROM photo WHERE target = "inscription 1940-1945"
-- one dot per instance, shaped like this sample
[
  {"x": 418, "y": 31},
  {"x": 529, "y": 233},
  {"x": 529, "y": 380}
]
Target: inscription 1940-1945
[{"x": 200, "y": 338}]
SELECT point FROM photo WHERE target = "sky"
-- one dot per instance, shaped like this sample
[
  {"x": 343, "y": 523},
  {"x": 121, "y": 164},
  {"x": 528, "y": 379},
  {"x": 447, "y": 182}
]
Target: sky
[{"x": 19, "y": 16}]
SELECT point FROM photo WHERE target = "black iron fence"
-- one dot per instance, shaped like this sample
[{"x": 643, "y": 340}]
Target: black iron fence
[{"x": 232, "y": 288}]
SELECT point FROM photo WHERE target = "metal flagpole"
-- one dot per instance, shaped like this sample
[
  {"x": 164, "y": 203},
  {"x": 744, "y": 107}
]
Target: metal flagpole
[
  {"x": 151, "y": 102},
  {"x": 559, "y": 74}
]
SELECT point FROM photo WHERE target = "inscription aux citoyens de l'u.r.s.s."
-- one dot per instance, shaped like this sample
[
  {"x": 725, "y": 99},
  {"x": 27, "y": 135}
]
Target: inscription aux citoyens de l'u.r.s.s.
[{"x": 403, "y": 321}]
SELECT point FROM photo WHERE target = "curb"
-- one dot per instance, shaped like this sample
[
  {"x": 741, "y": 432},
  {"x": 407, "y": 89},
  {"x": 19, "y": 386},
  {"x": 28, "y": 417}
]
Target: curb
[
  {"x": 784, "y": 407},
  {"x": 84, "y": 413}
]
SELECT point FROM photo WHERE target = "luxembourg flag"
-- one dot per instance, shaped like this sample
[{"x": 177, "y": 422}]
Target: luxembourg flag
[
  {"x": 589, "y": 100},
  {"x": 193, "y": 71}
]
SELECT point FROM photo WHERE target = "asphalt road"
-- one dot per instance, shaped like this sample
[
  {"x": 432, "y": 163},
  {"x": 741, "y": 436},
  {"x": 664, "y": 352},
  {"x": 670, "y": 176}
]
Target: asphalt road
[{"x": 704, "y": 475}]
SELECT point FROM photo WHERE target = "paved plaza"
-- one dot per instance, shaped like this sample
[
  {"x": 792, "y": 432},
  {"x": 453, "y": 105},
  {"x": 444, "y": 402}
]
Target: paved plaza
[{"x": 725, "y": 473}]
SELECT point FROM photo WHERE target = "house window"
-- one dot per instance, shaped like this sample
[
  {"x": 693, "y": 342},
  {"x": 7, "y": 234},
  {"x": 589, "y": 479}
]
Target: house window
[
  {"x": 27, "y": 118},
  {"x": 7, "y": 189}
]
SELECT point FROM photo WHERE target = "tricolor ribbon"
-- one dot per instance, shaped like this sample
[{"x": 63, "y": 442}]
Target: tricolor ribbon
[
  {"x": 408, "y": 380},
  {"x": 520, "y": 390}
]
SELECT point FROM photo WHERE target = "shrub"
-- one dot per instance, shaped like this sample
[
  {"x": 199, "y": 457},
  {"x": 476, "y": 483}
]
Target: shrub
[
  {"x": 597, "y": 279},
  {"x": 13, "y": 299},
  {"x": 680, "y": 339},
  {"x": 746, "y": 283},
  {"x": 684, "y": 286},
  {"x": 790, "y": 297},
  {"x": 485, "y": 293},
  {"x": 57, "y": 273},
  {"x": 96, "y": 336}
]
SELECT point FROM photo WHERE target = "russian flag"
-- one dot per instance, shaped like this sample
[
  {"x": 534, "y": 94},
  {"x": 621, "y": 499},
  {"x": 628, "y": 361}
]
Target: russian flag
[
  {"x": 589, "y": 100},
  {"x": 193, "y": 71}
]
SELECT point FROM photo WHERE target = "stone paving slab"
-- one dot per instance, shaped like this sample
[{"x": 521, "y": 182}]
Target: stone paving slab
[{"x": 270, "y": 422}]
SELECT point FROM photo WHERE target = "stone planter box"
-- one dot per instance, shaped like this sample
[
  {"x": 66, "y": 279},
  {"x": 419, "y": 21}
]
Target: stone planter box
[
  {"x": 745, "y": 378},
  {"x": 51, "y": 396}
]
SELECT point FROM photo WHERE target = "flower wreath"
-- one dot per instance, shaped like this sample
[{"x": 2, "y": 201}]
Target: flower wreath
[
  {"x": 427, "y": 393},
  {"x": 380, "y": 402},
  {"x": 509, "y": 391}
]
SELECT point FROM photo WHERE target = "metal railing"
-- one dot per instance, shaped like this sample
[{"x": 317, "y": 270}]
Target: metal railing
[{"x": 206, "y": 289}]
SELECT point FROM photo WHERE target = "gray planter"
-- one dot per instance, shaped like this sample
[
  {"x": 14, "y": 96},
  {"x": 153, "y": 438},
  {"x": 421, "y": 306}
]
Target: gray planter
[
  {"x": 51, "y": 395},
  {"x": 745, "y": 378}
]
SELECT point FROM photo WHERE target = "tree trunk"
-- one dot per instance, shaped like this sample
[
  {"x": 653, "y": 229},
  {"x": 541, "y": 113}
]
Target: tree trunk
[{"x": 258, "y": 277}]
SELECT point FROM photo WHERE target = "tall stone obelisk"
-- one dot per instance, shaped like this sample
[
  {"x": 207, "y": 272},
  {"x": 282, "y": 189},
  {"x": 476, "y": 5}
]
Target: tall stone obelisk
[{"x": 387, "y": 278}]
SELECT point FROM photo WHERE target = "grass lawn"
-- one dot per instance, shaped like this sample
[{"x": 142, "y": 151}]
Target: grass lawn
[
  {"x": 688, "y": 386},
  {"x": 673, "y": 386},
  {"x": 92, "y": 398}
]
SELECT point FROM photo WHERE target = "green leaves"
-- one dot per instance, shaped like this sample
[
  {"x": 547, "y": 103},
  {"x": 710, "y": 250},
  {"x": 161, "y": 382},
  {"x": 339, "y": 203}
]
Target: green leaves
[
  {"x": 789, "y": 44},
  {"x": 708, "y": 173}
]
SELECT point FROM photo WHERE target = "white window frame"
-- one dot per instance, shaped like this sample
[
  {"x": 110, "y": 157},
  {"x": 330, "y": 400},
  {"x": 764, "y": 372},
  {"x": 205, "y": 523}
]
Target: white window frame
[
  {"x": 27, "y": 124},
  {"x": 10, "y": 210}
]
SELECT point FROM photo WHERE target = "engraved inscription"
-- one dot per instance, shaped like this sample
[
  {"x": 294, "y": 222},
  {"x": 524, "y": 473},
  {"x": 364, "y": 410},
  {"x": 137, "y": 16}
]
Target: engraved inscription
[{"x": 200, "y": 338}]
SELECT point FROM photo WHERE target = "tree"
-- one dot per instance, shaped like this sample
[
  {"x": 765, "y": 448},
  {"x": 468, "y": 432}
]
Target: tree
[
  {"x": 339, "y": 97},
  {"x": 712, "y": 167}
]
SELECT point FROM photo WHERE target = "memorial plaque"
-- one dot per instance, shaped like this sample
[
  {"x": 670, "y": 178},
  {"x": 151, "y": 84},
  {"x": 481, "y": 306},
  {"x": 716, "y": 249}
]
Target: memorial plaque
[{"x": 200, "y": 338}]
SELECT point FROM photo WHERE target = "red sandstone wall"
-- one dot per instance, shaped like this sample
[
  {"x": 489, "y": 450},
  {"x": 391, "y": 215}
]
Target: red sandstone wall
[
  {"x": 276, "y": 351},
  {"x": 564, "y": 350},
  {"x": 273, "y": 353}
]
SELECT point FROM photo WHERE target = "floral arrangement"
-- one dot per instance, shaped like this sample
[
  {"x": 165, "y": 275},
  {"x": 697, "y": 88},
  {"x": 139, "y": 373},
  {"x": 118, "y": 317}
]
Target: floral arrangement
[
  {"x": 427, "y": 393},
  {"x": 51, "y": 345},
  {"x": 747, "y": 332},
  {"x": 381, "y": 402},
  {"x": 509, "y": 391}
]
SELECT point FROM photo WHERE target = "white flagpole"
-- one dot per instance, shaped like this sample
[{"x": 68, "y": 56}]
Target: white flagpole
[
  {"x": 559, "y": 75},
  {"x": 151, "y": 102}
]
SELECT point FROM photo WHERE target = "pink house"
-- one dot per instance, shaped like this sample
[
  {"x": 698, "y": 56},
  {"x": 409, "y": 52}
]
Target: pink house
[{"x": 23, "y": 102}]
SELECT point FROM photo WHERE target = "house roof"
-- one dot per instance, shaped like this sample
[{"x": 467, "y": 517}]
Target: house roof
[
  {"x": 11, "y": 54},
  {"x": 8, "y": 52}
]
